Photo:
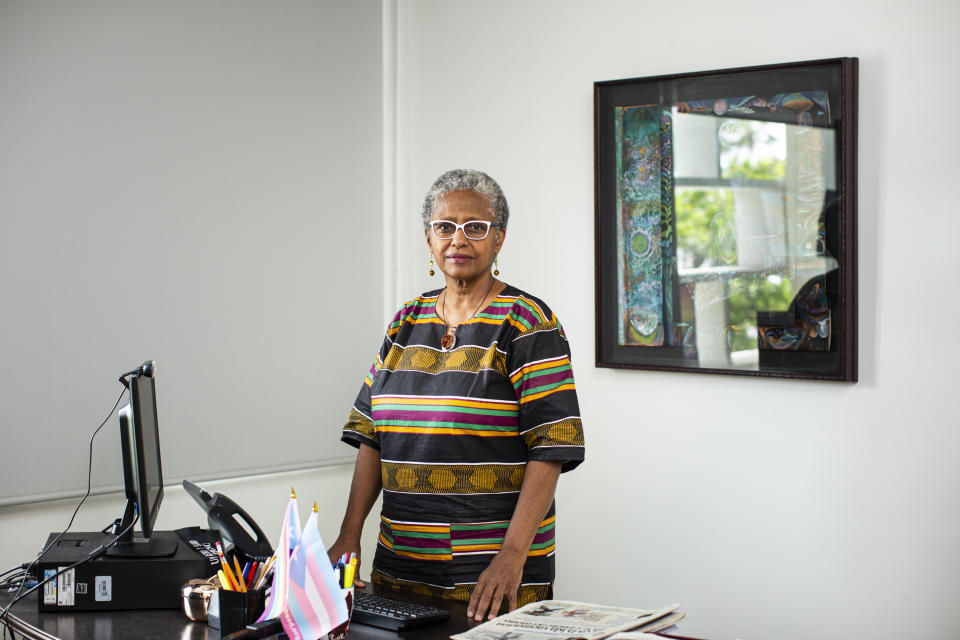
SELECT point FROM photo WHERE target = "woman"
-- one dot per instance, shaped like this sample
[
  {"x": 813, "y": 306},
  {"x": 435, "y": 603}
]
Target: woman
[{"x": 465, "y": 421}]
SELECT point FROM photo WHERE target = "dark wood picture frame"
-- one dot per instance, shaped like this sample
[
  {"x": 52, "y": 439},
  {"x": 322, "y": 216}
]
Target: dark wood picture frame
[{"x": 726, "y": 221}]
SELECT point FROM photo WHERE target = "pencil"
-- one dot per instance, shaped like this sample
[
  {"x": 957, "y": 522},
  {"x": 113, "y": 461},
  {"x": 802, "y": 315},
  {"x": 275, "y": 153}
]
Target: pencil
[
  {"x": 231, "y": 581},
  {"x": 224, "y": 583},
  {"x": 240, "y": 582}
]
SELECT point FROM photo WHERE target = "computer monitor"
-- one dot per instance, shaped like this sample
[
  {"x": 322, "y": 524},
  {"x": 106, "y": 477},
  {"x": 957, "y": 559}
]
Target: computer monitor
[{"x": 142, "y": 472}]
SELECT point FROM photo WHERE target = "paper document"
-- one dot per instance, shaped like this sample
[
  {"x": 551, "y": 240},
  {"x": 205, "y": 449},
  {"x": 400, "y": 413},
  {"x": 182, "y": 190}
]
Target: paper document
[
  {"x": 643, "y": 631},
  {"x": 564, "y": 620}
]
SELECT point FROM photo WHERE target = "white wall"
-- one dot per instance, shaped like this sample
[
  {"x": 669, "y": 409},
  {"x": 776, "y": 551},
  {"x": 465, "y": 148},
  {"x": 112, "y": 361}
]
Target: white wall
[{"x": 768, "y": 508}]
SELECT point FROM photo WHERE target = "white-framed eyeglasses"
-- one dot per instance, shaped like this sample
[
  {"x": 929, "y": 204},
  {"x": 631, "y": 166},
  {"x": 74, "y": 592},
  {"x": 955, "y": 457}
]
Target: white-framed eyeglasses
[{"x": 472, "y": 229}]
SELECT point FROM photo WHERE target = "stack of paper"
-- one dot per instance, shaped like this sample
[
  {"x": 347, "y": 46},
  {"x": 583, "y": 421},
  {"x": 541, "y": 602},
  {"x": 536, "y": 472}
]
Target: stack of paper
[{"x": 564, "y": 620}]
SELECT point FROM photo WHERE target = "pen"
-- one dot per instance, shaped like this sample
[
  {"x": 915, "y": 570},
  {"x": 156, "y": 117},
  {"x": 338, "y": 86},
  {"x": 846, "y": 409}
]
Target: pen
[
  {"x": 266, "y": 570},
  {"x": 252, "y": 575},
  {"x": 348, "y": 574},
  {"x": 259, "y": 574}
]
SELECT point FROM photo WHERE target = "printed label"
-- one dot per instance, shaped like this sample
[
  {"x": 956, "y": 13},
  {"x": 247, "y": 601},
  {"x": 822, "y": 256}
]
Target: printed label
[
  {"x": 49, "y": 589},
  {"x": 207, "y": 550},
  {"x": 65, "y": 596},
  {"x": 103, "y": 588},
  {"x": 81, "y": 588}
]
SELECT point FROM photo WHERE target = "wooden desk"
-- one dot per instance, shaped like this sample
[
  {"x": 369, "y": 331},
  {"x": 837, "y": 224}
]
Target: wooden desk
[{"x": 167, "y": 624}]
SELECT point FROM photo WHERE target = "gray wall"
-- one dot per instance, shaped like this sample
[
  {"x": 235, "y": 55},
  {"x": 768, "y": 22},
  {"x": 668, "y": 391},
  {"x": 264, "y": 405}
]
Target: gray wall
[{"x": 197, "y": 183}]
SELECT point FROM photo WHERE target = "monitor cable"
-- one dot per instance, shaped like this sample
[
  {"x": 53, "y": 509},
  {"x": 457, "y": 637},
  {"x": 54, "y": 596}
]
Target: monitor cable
[
  {"x": 28, "y": 569},
  {"x": 11, "y": 578}
]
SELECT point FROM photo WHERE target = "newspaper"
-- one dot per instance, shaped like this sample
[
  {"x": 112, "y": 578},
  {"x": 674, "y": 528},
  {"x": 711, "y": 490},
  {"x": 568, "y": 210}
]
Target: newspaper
[
  {"x": 565, "y": 620},
  {"x": 644, "y": 632}
]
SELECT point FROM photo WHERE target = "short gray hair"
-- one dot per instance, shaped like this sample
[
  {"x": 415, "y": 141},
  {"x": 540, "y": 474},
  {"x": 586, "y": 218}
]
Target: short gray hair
[{"x": 467, "y": 180}]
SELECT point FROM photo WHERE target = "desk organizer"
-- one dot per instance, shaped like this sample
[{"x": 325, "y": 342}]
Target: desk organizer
[{"x": 231, "y": 611}]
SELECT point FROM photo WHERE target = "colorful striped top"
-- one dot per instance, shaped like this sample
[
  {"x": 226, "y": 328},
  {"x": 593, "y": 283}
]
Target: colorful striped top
[{"x": 455, "y": 430}]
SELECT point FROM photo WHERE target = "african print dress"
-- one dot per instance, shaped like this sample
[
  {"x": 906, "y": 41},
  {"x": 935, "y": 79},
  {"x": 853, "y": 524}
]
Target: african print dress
[{"x": 455, "y": 430}]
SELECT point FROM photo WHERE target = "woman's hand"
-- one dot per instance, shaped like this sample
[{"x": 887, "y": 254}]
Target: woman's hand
[
  {"x": 363, "y": 493},
  {"x": 498, "y": 581},
  {"x": 338, "y": 549},
  {"x": 502, "y": 577}
]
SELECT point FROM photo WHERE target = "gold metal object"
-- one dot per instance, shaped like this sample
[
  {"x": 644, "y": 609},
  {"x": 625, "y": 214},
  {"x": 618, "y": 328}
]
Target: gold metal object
[{"x": 196, "y": 598}]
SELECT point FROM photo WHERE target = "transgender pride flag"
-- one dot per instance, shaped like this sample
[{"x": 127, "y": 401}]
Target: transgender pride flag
[
  {"x": 305, "y": 594},
  {"x": 289, "y": 538},
  {"x": 315, "y": 602}
]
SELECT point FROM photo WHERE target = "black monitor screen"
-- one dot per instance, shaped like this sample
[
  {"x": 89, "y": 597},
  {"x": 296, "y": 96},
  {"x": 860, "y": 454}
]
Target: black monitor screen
[{"x": 142, "y": 471}]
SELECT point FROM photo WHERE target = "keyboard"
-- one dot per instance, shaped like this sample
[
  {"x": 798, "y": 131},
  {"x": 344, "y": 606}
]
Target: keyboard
[{"x": 396, "y": 615}]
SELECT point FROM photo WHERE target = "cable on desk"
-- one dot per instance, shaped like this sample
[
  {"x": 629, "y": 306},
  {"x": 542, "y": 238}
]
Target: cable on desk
[
  {"x": 14, "y": 577},
  {"x": 13, "y": 570},
  {"x": 93, "y": 555},
  {"x": 19, "y": 596}
]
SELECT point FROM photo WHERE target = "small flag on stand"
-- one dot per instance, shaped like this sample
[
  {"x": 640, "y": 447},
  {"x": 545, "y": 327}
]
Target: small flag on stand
[
  {"x": 289, "y": 537},
  {"x": 305, "y": 594},
  {"x": 315, "y": 602}
]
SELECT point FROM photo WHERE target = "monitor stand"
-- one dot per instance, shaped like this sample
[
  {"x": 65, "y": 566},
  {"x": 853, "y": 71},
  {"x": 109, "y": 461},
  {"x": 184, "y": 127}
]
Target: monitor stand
[{"x": 161, "y": 544}]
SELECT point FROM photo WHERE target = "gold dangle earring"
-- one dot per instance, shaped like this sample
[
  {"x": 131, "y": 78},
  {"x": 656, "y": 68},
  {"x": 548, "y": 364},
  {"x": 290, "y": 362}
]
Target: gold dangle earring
[
  {"x": 496, "y": 266},
  {"x": 432, "y": 272}
]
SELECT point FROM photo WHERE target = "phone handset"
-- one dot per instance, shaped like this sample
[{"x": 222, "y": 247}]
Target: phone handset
[{"x": 234, "y": 524}]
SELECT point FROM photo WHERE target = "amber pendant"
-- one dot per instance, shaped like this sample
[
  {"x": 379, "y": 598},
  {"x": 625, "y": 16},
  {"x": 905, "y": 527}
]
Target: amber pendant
[{"x": 449, "y": 339}]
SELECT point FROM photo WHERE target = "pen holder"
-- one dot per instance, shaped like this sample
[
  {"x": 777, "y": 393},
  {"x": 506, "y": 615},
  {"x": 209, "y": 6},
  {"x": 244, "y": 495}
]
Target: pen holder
[
  {"x": 340, "y": 631},
  {"x": 231, "y": 611}
]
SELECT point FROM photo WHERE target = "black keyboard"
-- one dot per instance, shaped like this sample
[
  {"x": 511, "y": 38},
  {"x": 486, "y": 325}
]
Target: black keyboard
[{"x": 396, "y": 615}]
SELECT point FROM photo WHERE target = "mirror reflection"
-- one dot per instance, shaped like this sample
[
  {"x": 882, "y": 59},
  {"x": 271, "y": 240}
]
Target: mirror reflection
[{"x": 721, "y": 229}]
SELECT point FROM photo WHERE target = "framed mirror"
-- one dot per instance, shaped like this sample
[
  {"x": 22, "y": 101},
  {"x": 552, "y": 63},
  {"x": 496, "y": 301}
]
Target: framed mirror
[{"x": 726, "y": 221}]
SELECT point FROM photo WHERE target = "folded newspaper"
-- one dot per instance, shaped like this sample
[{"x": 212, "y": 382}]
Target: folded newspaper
[{"x": 564, "y": 620}]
